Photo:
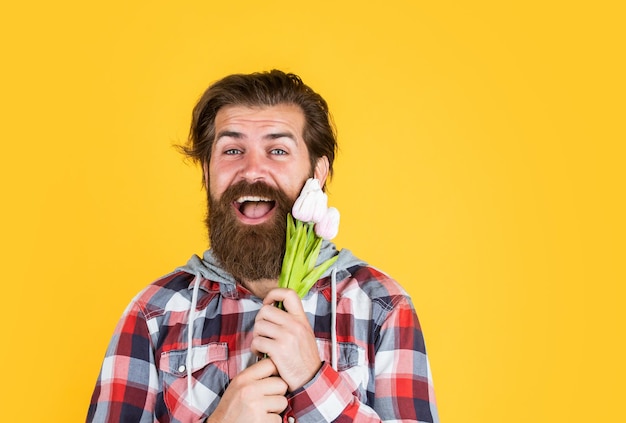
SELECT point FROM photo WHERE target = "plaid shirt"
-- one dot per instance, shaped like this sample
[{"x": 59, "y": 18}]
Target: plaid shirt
[{"x": 382, "y": 375}]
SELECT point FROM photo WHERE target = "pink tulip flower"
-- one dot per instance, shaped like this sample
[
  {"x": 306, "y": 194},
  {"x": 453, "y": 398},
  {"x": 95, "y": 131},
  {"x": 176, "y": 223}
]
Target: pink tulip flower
[
  {"x": 328, "y": 227},
  {"x": 312, "y": 203}
]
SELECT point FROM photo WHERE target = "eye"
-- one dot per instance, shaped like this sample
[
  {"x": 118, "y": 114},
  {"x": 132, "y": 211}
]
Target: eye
[
  {"x": 232, "y": 151},
  {"x": 278, "y": 152}
]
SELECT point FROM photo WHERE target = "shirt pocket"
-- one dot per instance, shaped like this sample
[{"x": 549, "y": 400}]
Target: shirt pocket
[
  {"x": 209, "y": 372},
  {"x": 351, "y": 364}
]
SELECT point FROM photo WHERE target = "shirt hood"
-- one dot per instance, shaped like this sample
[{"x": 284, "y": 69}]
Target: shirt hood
[{"x": 209, "y": 267}]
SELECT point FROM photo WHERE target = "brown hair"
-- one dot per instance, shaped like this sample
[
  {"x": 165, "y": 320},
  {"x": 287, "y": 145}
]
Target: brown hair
[{"x": 263, "y": 89}]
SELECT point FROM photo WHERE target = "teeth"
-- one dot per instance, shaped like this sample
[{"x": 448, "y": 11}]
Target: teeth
[{"x": 251, "y": 198}]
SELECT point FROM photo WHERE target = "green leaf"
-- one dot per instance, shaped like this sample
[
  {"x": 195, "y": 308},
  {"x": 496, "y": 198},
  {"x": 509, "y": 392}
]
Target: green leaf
[
  {"x": 290, "y": 254},
  {"x": 294, "y": 268},
  {"x": 302, "y": 249},
  {"x": 291, "y": 227},
  {"x": 310, "y": 238},
  {"x": 314, "y": 276},
  {"x": 311, "y": 259}
]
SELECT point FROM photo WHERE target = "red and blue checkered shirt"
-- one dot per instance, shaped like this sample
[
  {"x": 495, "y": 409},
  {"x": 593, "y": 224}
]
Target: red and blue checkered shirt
[{"x": 382, "y": 369}]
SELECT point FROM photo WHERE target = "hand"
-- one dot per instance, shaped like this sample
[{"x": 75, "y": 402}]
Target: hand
[
  {"x": 287, "y": 338},
  {"x": 255, "y": 395}
]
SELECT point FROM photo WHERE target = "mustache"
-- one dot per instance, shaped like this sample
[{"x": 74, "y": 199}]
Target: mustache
[{"x": 260, "y": 189}]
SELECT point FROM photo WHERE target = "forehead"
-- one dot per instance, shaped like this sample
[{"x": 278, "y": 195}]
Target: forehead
[{"x": 285, "y": 116}]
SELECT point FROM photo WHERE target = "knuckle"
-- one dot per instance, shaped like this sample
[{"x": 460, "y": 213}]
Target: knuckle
[
  {"x": 261, "y": 314},
  {"x": 247, "y": 391},
  {"x": 285, "y": 387}
]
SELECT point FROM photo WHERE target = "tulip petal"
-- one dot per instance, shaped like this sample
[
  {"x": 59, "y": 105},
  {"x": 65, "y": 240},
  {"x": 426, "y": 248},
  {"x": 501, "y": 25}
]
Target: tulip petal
[
  {"x": 311, "y": 204},
  {"x": 328, "y": 227}
]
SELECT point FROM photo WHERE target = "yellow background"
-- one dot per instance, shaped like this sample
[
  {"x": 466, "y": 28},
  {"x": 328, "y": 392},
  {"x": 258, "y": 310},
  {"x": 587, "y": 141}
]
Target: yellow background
[{"x": 481, "y": 164}]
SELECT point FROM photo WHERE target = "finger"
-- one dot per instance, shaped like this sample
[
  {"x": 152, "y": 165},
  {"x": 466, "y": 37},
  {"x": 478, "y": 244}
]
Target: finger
[
  {"x": 261, "y": 345},
  {"x": 266, "y": 328},
  {"x": 262, "y": 369},
  {"x": 276, "y": 403},
  {"x": 273, "y": 324},
  {"x": 270, "y": 315},
  {"x": 273, "y": 385},
  {"x": 291, "y": 302},
  {"x": 267, "y": 337},
  {"x": 275, "y": 295}
]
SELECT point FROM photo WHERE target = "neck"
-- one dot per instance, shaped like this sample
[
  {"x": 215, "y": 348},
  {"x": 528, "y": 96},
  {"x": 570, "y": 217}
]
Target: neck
[{"x": 260, "y": 287}]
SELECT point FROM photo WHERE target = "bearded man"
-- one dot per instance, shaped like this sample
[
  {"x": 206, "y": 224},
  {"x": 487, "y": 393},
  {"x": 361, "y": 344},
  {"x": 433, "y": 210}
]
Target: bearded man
[{"x": 206, "y": 343}]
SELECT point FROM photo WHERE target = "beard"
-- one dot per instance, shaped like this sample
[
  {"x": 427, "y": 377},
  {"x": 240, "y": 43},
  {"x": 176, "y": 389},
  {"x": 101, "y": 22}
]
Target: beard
[{"x": 248, "y": 252}]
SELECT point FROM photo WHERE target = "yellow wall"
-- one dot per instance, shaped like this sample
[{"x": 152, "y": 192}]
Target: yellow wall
[{"x": 481, "y": 164}]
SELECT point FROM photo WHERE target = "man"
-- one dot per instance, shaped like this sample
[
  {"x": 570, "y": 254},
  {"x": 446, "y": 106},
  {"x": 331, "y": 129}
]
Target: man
[{"x": 206, "y": 343}]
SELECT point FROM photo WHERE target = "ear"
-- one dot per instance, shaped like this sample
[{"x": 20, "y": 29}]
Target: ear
[
  {"x": 205, "y": 170},
  {"x": 321, "y": 170}
]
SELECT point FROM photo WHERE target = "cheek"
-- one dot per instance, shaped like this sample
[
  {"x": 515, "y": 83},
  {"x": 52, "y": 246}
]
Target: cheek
[
  {"x": 292, "y": 186},
  {"x": 220, "y": 175},
  {"x": 217, "y": 184}
]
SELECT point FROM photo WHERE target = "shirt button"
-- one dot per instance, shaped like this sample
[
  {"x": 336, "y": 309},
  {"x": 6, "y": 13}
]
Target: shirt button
[
  {"x": 291, "y": 419},
  {"x": 181, "y": 368}
]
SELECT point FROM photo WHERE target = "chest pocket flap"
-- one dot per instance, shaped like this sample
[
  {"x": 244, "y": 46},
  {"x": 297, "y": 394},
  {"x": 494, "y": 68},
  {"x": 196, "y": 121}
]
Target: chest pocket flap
[{"x": 175, "y": 362}]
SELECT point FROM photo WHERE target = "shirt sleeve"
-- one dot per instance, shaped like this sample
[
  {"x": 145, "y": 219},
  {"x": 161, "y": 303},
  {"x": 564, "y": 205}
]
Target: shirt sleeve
[
  {"x": 127, "y": 384},
  {"x": 403, "y": 389}
]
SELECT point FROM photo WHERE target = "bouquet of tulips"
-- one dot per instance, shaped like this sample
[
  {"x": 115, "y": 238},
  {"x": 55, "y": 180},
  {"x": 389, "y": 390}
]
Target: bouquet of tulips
[{"x": 310, "y": 221}]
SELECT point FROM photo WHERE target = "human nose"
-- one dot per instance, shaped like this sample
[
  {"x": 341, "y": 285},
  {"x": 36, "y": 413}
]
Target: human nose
[{"x": 254, "y": 168}]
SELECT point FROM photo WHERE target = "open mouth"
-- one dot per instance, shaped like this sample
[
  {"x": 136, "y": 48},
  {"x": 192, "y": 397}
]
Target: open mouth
[{"x": 254, "y": 208}]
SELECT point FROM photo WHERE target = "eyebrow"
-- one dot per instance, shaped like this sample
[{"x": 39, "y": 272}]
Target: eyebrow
[
  {"x": 229, "y": 134},
  {"x": 270, "y": 136}
]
